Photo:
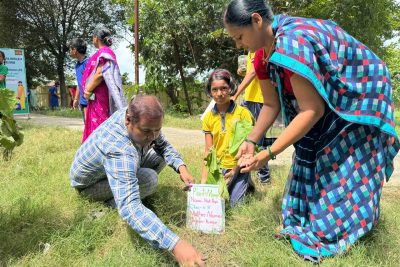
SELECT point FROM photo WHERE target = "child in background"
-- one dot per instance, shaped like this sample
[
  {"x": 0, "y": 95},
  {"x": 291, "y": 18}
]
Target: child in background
[
  {"x": 217, "y": 126},
  {"x": 21, "y": 95}
]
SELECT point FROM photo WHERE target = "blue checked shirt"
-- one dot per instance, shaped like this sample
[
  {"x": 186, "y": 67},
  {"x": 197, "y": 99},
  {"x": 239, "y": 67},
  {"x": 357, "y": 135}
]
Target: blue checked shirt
[{"x": 109, "y": 153}]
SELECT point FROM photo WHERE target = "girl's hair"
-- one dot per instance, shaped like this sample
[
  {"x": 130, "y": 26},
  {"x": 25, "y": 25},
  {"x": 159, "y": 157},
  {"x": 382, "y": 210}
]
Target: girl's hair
[
  {"x": 221, "y": 74},
  {"x": 238, "y": 12},
  {"x": 4, "y": 58},
  {"x": 79, "y": 44},
  {"x": 104, "y": 35}
]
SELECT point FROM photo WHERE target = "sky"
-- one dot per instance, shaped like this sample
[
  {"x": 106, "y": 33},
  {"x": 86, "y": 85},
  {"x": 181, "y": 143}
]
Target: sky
[{"x": 126, "y": 62}]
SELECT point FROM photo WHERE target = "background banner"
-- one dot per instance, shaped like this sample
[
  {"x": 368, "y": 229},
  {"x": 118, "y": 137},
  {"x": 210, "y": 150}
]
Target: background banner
[{"x": 16, "y": 78}]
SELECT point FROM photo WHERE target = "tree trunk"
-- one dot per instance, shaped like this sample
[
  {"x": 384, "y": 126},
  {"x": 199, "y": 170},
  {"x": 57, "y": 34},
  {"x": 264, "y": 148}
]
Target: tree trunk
[
  {"x": 171, "y": 93},
  {"x": 182, "y": 75},
  {"x": 61, "y": 77}
]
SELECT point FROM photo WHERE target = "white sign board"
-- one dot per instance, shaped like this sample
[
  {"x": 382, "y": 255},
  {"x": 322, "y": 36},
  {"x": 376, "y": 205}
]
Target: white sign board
[{"x": 205, "y": 209}]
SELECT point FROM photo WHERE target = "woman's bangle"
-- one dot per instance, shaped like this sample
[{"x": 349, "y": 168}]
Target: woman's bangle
[
  {"x": 250, "y": 141},
  {"x": 271, "y": 155}
]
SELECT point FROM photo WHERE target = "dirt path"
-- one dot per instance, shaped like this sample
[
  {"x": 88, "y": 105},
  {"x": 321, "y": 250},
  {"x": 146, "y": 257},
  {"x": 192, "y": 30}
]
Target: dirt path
[{"x": 180, "y": 138}]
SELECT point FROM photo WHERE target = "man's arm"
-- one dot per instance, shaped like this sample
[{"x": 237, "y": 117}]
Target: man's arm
[
  {"x": 121, "y": 173},
  {"x": 75, "y": 104},
  {"x": 120, "y": 168}
]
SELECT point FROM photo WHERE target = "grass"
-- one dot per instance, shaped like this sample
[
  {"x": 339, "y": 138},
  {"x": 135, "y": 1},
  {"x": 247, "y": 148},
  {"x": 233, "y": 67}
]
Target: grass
[
  {"x": 182, "y": 120},
  {"x": 39, "y": 209},
  {"x": 62, "y": 112}
]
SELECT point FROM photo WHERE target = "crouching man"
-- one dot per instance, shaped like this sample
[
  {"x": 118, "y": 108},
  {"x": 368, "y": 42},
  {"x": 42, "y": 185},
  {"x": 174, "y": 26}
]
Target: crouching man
[{"x": 120, "y": 162}]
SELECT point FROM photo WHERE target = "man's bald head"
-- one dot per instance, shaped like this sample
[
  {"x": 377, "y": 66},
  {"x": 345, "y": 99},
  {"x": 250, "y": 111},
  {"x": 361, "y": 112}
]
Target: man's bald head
[{"x": 147, "y": 107}]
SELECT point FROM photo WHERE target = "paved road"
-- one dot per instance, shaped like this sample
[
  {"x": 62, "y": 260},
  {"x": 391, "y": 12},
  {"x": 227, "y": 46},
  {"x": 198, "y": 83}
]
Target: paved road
[{"x": 179, "y": 138}]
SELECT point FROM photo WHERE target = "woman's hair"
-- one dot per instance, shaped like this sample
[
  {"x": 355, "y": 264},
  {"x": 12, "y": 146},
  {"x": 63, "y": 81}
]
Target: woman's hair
[
  {"x": 104, "y": 35},
  {"x": 144, "y": 106},
  {"x": 79, "y": 44},
  {"x": 221, "y": 74},
  {"x": 4, "y": 57},
  {"x": 238, "y": 12}
]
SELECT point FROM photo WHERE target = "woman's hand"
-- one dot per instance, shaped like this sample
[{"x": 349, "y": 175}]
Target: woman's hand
[
  {"x": 87, "y": 94},
  {"x": 248, "y": 162}
]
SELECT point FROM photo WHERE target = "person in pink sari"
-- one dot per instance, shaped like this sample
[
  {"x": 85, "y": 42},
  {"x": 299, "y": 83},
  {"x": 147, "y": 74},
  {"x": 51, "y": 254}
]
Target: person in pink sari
[{"x": 102, "y": 83}]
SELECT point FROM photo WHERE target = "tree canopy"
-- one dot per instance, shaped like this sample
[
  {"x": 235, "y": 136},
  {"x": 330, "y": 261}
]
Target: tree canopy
[
  {"x": 183, "y": 40},
  {"x": 44, "y": 27}
]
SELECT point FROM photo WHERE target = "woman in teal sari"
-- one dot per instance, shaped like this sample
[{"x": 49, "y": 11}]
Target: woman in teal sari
[{"x": 336, "y": 99}]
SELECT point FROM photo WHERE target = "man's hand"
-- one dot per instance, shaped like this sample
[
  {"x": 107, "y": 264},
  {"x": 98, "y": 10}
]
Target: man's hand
[
  {"x": 186, "y": 255},
  {"x": 186, "y": 177},
  {"x": 75, "y": 104}
]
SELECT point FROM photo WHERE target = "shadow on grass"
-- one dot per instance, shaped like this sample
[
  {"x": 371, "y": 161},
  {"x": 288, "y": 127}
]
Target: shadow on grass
[{"x": 25, "y": 228}]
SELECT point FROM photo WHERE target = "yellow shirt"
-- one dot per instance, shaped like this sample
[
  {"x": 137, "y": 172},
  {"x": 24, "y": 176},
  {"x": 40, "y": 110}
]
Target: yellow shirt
[
  {"x": 253, "y": 91},
  {"x": 219, "y": 126}
]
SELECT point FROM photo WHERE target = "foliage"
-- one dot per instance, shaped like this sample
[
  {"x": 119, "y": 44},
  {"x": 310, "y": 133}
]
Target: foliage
[
  {"x": 239, "y": 132},
  {"x": 392, "y": 60},
  {"x": 125, "y": 79},
  {"x": 396, "y": 91},
  {"x": 214, "y": 173},
  {"x": 381, "y": 16},
  {"x": 180, "y": 41},
  {"x": 43, "y": 29},
  {"x": 10, "y": 136},
  {"x": 183, "y": 40}
]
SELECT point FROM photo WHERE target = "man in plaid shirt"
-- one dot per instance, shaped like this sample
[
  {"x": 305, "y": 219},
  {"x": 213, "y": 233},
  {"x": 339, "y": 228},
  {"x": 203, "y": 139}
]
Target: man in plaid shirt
[{"x": 121, "y": 160}]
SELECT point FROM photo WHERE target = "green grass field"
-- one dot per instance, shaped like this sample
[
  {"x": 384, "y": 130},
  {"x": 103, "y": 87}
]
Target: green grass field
[{"x": 43, "y": 222}]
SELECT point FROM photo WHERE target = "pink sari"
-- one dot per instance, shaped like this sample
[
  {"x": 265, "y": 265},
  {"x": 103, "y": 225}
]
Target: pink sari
[{"x": 98, "y": 110}]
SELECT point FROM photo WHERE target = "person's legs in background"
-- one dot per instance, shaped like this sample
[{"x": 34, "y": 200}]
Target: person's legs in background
[
  {"x": 238, "y": 187},
  {"x": 83, "y": 110},
  {"x": 263, "y": 173}
]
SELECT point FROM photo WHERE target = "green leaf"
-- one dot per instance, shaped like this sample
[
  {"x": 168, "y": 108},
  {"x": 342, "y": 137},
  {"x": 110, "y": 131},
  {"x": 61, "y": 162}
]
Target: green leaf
[{"x": 214, "y": 173}]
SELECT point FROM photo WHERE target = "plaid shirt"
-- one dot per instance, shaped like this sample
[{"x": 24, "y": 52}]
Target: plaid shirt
[{"x": 109, "y": 152}]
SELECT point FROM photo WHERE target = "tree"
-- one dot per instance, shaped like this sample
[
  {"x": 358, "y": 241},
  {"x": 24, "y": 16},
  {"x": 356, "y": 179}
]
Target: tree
[
  {"x": 180, "y": 40},
  {"x": 381, "y": 16},
  {"x": 125, "y": 79},
  {"x": 44, "y": 27}
]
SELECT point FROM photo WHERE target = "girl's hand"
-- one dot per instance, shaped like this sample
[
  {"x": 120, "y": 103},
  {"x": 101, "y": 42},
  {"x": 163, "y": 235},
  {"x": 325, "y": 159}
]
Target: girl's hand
[
  {"x": 245, "y": 149},
  {"x": 87, "y": 95},
  {"x": 228, "y": 176}
]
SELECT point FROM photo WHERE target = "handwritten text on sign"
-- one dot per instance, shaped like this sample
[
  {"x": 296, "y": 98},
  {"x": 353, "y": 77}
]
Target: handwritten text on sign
[{"x": 205, "y": 211}]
